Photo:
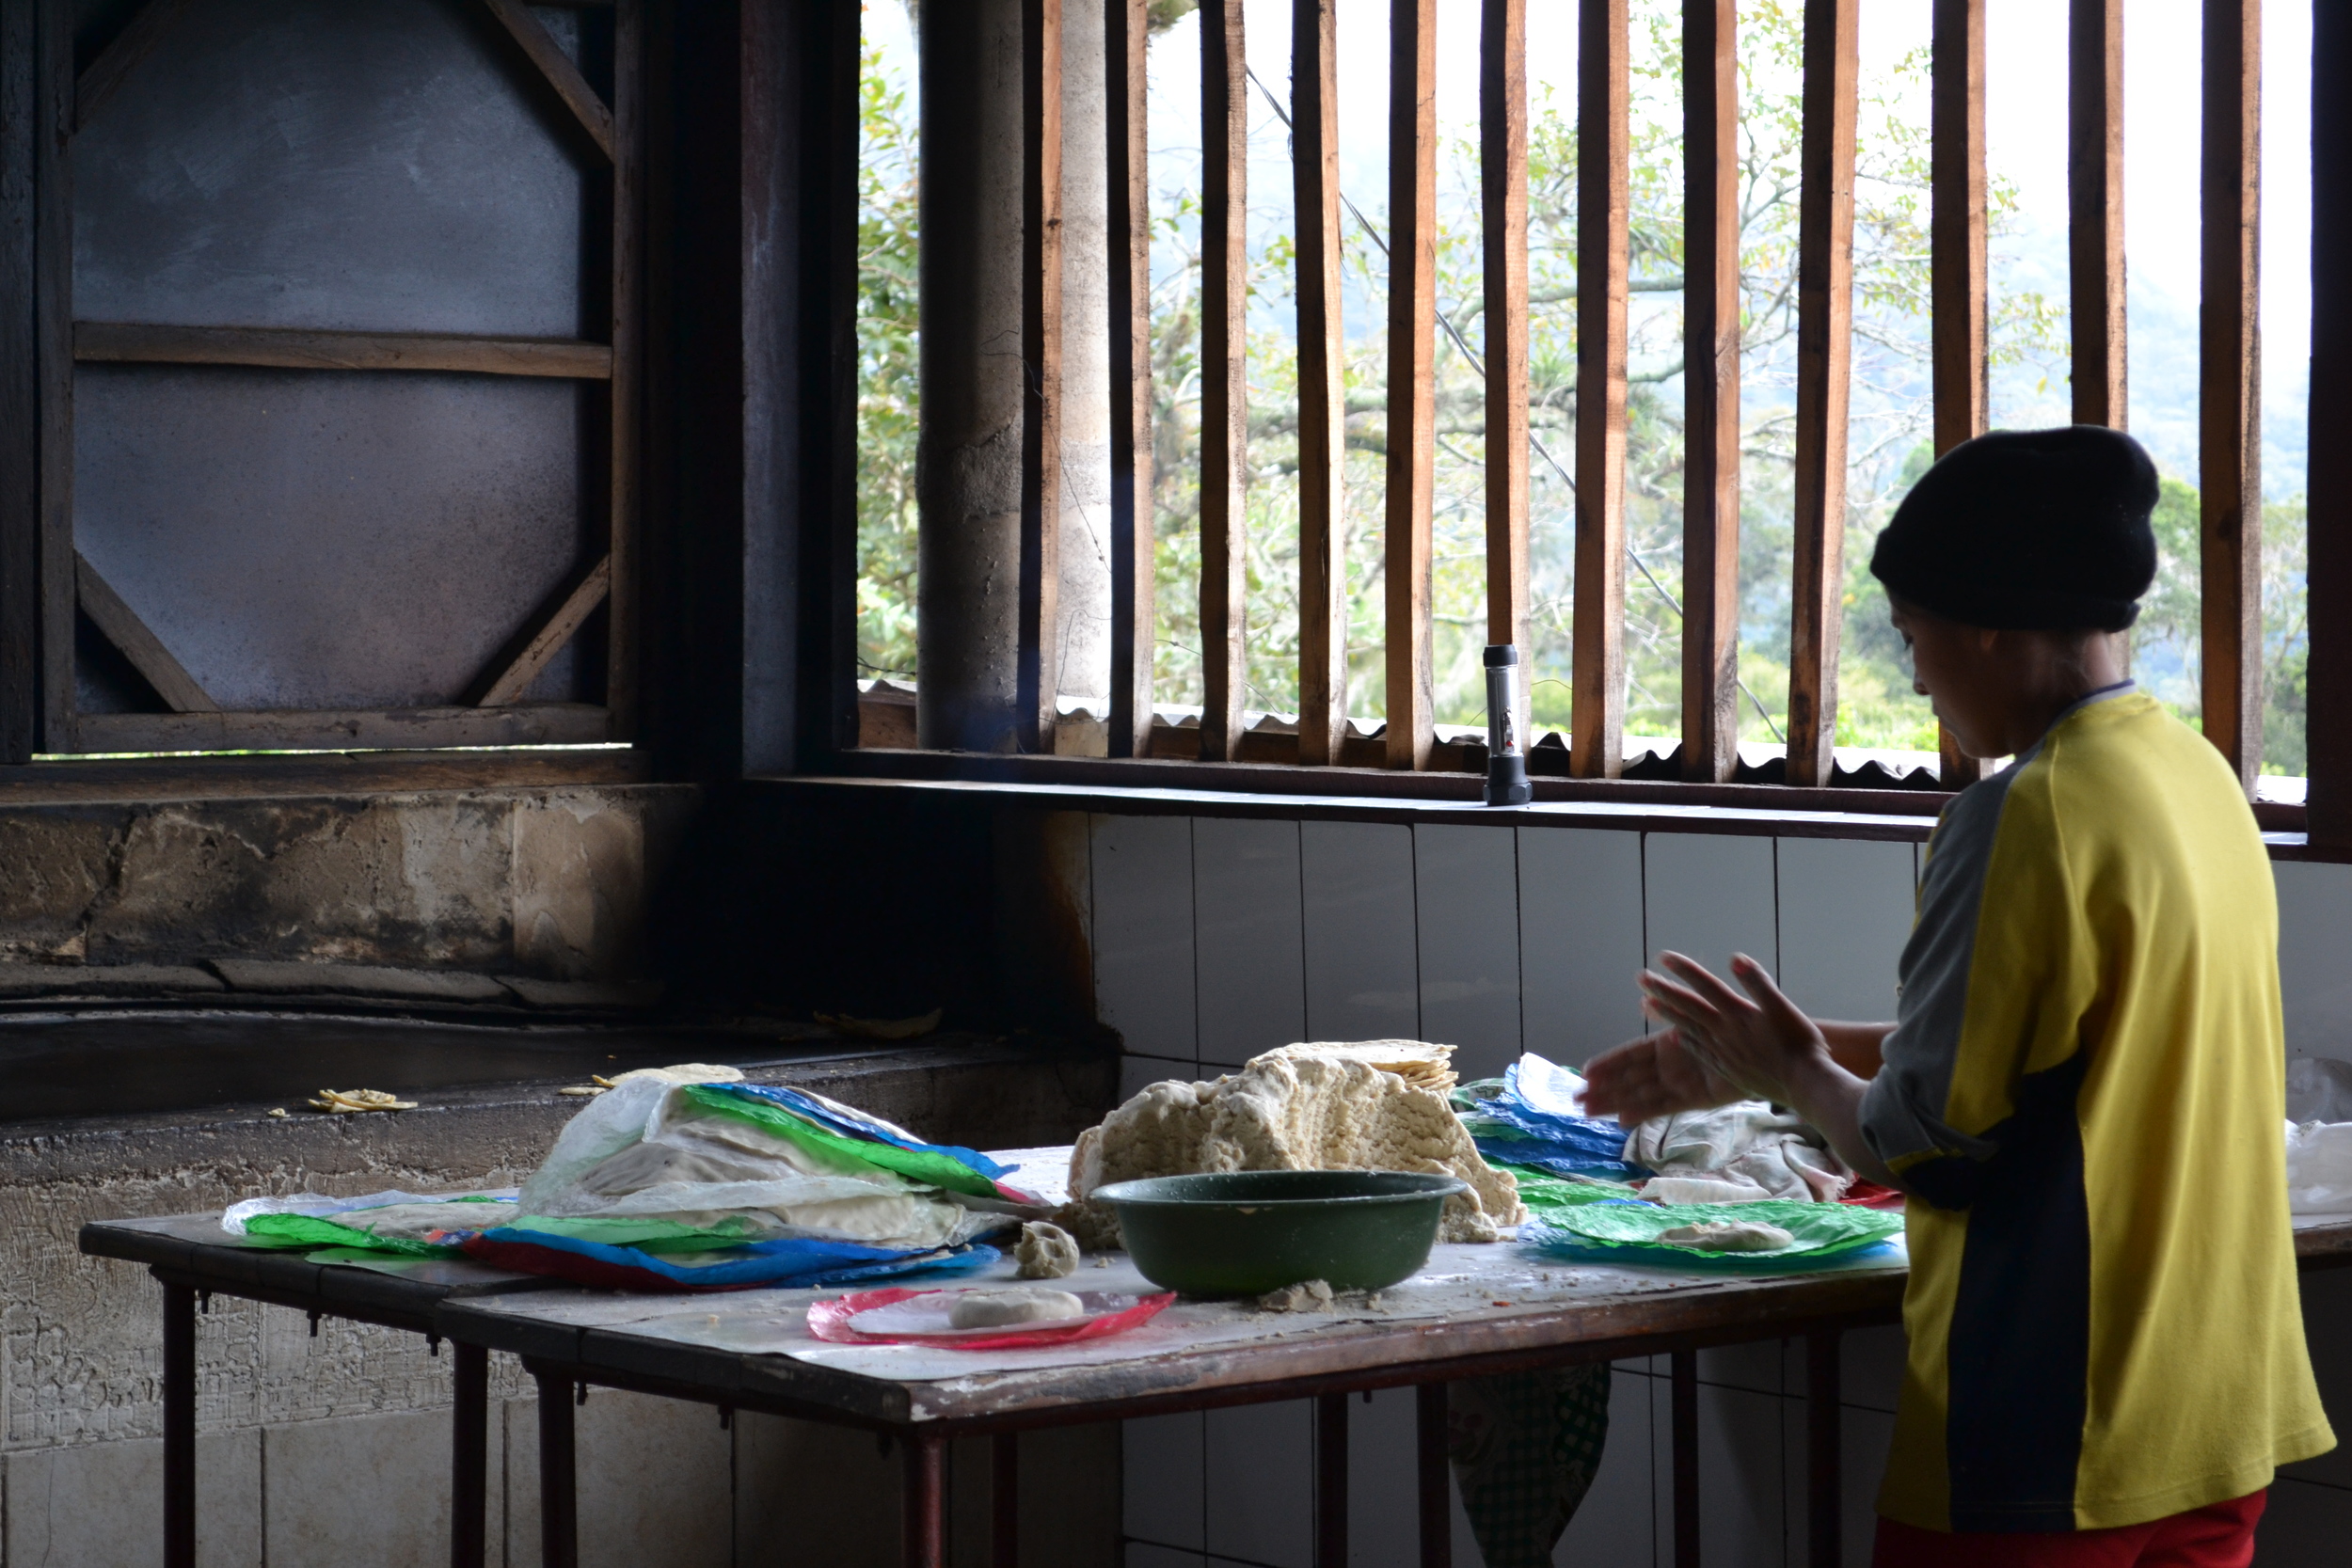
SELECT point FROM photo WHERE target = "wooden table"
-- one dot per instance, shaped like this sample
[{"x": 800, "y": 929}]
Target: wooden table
[{"x": 195, "y": 1259}]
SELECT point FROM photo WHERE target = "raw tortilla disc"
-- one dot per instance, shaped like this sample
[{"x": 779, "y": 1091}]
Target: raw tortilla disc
[
  {"x": 1730, "y": 1236},
  {"x": 927, "y": 1314}
]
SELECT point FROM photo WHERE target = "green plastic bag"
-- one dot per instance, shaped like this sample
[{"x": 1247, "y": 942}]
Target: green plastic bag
[{"x": 1629, "y": 1233}]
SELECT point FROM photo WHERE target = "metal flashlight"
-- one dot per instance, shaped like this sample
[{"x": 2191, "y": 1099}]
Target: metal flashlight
[{"x": 1506, "y": 764}]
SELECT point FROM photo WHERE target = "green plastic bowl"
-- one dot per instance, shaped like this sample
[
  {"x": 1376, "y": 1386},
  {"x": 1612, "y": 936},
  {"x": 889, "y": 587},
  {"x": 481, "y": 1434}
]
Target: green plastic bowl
[{"x": 1244, "y": 1233}]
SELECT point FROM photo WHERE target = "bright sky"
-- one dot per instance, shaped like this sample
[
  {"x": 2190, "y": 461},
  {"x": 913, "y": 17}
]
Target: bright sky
[{"x": 2025, "y": 114}]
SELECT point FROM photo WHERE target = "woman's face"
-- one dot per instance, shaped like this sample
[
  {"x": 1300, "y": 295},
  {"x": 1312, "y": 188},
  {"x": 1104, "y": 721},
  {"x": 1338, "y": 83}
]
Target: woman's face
[{"x": 1951, "y": 665}]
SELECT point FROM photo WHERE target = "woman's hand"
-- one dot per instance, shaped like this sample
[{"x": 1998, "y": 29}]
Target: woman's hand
[
  {"x": 1761, "y": 1043},
  {"x": 1654, "y": 1076}
]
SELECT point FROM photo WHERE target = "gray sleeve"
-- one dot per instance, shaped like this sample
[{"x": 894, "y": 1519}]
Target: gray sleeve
[{"x": 1902, "y": 1111}]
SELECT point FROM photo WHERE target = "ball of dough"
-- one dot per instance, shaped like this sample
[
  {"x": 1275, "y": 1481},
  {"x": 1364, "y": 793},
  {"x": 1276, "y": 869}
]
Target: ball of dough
[
  {"x": 1002, "y": 1308},
  {"x": 1046, "y": 1252},
  {"x": 1730, "y": 1236}
]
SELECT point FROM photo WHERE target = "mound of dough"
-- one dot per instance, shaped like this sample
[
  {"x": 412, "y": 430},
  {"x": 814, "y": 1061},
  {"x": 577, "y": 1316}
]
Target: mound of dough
[
  {"x": 1003, "y": 1308},
  {"x": 1045, "y": 1252},
  {"x": 1418, "y": 1063},
  {"x": 1294, "y": 1109},
  {"x": 1728, "y": 1236}
]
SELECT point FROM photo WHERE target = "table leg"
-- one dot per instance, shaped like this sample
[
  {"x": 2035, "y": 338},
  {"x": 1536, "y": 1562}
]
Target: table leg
[
  {"x": 1004, "y": 1478},
  {"x": 179, "y": 1426},
  {"x": 1824, "y": 1479},
  {"x": 1686, "y": 1457},
  {"x": 1437, "y": 1510},
  {"x": 1331, "y": 1481},
  {"x": 923, "y": 1518},
  {"x": 470, "y": 1457},
  {"x": 559, "y": 1498}
]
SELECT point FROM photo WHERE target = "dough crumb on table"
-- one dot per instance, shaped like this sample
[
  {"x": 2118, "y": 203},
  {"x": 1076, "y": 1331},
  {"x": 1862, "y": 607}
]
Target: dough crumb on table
[{"x": 1307, "y": 1295}]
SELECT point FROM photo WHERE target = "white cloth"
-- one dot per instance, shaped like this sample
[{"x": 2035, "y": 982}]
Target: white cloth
[{"x": 1747, "y": 1144}]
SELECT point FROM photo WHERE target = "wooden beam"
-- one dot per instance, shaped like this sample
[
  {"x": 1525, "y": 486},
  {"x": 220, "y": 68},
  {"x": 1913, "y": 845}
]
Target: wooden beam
[
  {"x": 1224, "y": 382},
  {"x": 625, "y": 403},
  {"x": 2094, "y": 196},
  {"x": 2327, "y": 714},
  {"x": 1502, "y": 177},
  {"x": 1039, "y": 680},
  {"x": 122, "y": 627},
  {"x": 1412, "y": 376},
  {"x": 1824, "y": 334},
  {"x": 306, "y": 349},
  {"x": 20, "y": 393},
  {"x": 129, "y": 48},
  {"x": 556, "y": 66},
  {"x": 342, "y": 730},
  {"x": 1322, "y": 390},
  {"x": 1710, "y": 395},
  {"x": 1128, "y": 188},
  {"x": 52, "y": 253},
  {"x": 2230, "y": 387},
  {"x": 1596, "y": 720},
  {"x": 1957, "y": 266},
  {"x": 552, "y": 627}
]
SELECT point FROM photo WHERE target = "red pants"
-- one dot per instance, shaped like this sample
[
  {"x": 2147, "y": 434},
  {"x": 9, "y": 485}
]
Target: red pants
[{"x": 2218, "y": 1536}]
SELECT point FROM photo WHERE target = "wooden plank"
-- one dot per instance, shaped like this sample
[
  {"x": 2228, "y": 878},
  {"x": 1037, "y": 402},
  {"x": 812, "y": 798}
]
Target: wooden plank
[
  {"x": 1134, "y": 630},
  {"x": 1711, "y": 396},
  {"x": 525, "y": 724},
  {"x": 2094, "y": 195},
  {"x": 555, "y": 626},
  {"x": 1502, "y": 166},
  {"x": 624, "y": 399},
  {"x": 307, "y": 349},
  {"x": 1824, "y": 331},
  {"x": 1412, "y": 435},
  {"x": 128, "y": 49},
  {"x": 556, "y": 66},
  {"x": 1322, "y": 388},
  {"x": 122, "y": 627},
  {"x": 2329, "y": 568},
  {"x": 1039, "y": 674},
  {"x": 1958, "y": 280},
  {"x": 1596, "y": 715},
  {"x": 20, "y": 392},
  {"x": 52, "y": 246},
  {"x": 1224, "y": 383},
  {"x": 2230, "y": 387}
]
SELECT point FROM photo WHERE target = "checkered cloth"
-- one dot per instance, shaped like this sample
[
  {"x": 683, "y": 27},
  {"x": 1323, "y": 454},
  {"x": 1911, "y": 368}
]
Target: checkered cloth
[{"x": 1525, "y": 1448}]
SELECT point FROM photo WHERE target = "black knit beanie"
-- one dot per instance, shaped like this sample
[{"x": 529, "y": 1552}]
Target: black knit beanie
[{"x": 2028, "y": 530}]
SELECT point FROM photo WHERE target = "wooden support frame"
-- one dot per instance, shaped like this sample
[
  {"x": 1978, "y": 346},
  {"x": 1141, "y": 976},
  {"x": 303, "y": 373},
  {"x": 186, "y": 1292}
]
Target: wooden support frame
[
  {"x": 1957, "y": 267},
  {"x": 2328, "y": 573},
  {"x": 2094, "y": 196},
  {"x": 1603, "y": 262},
  {"x": 61, "y": 104},
  {"x": 1322, "y": 384},
  {"x": 121, "y": 626},
  {"x": 1711, "y": 398},
  {"x": 1824, "y": 348},
  {"x": 306, "y": 349},
  {"x": 1502, "y": 182},
  {"x": 2230, "y": 387},
  {"x": 1224, "y": 379},
  {"x": 1126, "y": 32},
  {"x": 1038, "y": 680},
  {"x": 1412, "y": 453}
]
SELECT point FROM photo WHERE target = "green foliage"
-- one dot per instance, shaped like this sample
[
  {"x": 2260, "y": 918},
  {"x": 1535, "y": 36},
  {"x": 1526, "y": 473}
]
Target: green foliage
[{"x": 889, "y": 411}]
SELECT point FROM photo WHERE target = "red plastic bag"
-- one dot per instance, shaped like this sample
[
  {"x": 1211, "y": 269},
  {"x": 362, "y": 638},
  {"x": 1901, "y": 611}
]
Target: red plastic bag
[{"x": 830, "y": 1321}]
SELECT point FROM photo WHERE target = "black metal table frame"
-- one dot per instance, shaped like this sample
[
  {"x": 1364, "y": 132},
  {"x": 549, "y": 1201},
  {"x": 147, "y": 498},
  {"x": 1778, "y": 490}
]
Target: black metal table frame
[{"x": 563, "y": 1383}]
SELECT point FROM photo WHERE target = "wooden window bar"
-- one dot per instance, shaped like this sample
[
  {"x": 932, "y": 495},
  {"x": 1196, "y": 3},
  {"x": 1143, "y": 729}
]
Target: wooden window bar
[
  {"x": 2230, "y": 387},
  {"x": 1956, "y": 264},
  {"x": 2328, "y": 715},
  {"x": 1824, "y": 345},
  {"x": 1412, "y": 454},
  {"x": 1224, "y": 375},
  {"x": 1126, "y": 31},
  {"x": 1603, "y": 264},
  {"x": 1039, "y": 679},
  {"x": 491, "y": 713},
  {"x": 1322, "y": 384},
  {"x": 1710, "y": 399},
  {"x": 1502, "y": 191}
]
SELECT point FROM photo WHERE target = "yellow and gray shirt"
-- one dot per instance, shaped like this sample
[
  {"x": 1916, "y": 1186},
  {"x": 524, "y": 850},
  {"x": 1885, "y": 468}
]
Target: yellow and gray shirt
[{"x": 2084, "y": 1093}]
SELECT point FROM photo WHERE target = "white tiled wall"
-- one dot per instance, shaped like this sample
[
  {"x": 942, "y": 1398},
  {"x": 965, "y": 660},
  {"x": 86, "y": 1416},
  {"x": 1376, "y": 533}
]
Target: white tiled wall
[{"x": 1496, "y": 938}]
